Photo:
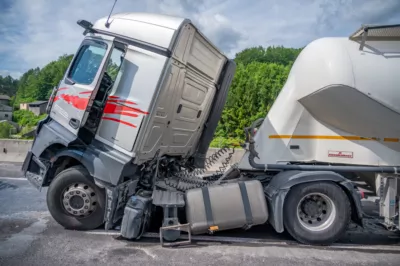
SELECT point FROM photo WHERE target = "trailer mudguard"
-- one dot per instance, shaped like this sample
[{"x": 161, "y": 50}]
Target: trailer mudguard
[{"x": 281, "y": 184}]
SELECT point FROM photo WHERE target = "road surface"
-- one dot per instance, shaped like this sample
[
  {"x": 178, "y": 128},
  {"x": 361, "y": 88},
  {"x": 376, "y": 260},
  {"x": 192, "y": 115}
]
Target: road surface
[{"x": 29, "y": 236}]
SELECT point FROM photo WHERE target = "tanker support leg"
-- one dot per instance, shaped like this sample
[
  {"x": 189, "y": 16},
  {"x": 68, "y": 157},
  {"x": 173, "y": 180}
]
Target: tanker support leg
[{"x": 388, "y": 198}]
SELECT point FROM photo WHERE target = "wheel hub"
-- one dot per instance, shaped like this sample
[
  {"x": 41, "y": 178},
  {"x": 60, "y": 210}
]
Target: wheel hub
[
  {"x": 311, "y": 208},
  {"x": 79, "y": 200},
  {"x": 316, "y": 212},
  {"x": 76, "y": 202}
]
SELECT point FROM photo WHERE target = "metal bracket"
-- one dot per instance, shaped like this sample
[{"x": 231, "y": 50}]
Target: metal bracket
[
  {"x": 364, "y": 38},
  {"x": 178, "y": 227},
  {"x": 387, "y": 203}
]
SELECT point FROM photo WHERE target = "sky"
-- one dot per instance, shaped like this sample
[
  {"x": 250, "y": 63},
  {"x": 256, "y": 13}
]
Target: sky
[{"x": 35, "y": 32}]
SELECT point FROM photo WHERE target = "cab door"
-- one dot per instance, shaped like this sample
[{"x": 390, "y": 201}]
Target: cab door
[{"x": 78, "y": 90}]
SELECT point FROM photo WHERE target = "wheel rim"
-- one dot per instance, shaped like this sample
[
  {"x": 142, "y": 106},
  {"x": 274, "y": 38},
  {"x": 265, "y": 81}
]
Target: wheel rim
[
  {"x": 79, "y": 200},
  {"x": 316, "y": 211}
]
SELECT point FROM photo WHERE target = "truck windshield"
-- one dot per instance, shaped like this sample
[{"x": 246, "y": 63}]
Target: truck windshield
[{"x": 87, "y": 63}]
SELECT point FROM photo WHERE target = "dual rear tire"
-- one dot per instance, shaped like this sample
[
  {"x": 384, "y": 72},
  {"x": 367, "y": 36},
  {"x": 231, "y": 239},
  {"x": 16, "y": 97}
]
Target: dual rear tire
[{"x": 317, "y": 213}]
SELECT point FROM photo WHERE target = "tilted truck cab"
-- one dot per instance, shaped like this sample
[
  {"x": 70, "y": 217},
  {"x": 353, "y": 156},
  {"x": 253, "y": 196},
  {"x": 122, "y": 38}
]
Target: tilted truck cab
[
  {"x": 128, "y": 129},
  {"x": 144, "y": 86},
  {"x": 161, "y": 88}
]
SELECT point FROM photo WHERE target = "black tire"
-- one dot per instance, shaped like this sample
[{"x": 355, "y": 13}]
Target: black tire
[
  {"x": 75, "y": 174},
  {"x": 328, "y": 235}
]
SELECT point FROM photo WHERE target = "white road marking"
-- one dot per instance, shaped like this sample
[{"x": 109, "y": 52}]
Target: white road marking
[
  {"x": 13, "y": 178},
  {"x": 95, "y": 232},
  {"x": 148, "y": 253}
]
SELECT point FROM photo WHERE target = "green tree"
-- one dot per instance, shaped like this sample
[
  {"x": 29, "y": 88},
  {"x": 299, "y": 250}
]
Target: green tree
[
  {"x": 26, "y": 118},
  {"x": 278, "y": 54},
  {"x": 37, "y": 84},
  {"x": 8, "y": 85},
  {"x": 5, "y": 129},
  {"x": 252, "y": 93}
]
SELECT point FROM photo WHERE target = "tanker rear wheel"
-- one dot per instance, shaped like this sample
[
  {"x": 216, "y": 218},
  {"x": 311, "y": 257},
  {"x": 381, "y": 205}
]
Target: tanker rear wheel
[
  {"x": 74, "y": 201},
  {"x": 317, "y": 213}
]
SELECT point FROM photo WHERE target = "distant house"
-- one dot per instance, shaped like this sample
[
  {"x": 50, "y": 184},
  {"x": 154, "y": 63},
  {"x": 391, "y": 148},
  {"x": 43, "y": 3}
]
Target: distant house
[
  {"x": 38, "y": 107},
  {"x": 5, "y": 108},
  {"x": 5, "y": 112},
  {"x": 23, "y": 106},
  {"x": 4, "y": 99}
]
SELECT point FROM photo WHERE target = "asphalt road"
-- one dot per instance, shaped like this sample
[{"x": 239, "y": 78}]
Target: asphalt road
[{"x": 29, "y": 236}]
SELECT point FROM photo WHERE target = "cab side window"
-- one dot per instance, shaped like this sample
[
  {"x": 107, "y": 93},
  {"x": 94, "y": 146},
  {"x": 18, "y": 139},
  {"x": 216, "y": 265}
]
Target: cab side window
[
  {"x": 87, "y": 63},
  {"x": 111, "y": 75}
]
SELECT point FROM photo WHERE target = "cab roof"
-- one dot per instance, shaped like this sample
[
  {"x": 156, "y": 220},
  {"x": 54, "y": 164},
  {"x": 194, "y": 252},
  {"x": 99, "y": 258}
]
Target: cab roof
[{"x": 156, "y": 29}]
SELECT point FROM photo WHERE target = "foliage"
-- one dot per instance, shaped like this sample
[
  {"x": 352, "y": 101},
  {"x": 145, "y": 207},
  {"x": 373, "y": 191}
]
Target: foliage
[
  {"x": 37, "y": 84},
  {"x": 279, "y": 55},
  {"x": 8, "y": 85},
  {"x": 5, "y": 129},
  {"x": 260, "y": 75},
  {"x": 218, "y": 142},
  {"x": 27, "y": 118},
  {"x": 253, "y": 91}
]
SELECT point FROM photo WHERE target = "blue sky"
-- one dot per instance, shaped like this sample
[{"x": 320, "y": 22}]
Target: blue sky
[{"x": 35, "y": 32}]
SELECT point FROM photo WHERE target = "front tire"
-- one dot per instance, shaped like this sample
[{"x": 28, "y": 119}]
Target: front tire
[
  {"x": 74, "y": 201},
  {"x": 317, "y": 213}
]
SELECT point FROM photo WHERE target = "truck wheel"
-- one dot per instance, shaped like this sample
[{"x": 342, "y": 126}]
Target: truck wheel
[
  {"x": 74, "y": 201},
  {"x": 316, "y": 213}
]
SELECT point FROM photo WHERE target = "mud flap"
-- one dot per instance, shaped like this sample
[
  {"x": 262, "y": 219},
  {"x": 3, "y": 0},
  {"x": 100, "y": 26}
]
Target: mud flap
[{"x": 35, "y": 179}]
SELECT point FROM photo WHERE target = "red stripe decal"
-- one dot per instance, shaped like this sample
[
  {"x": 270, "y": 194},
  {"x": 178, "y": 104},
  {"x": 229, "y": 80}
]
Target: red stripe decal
[
  {"x": 76, "y": 101},
  {"x": 125, "y": 113},
  {"x": 139, "y": 111},
  {"x": 119, "y": 121},
  {"x": 113, "y": 108},
  {"x": 110, "y": 108},
  {"x": 113, "y": 97},
  {"x": 121, "y": 101},
  {"x": 62, "y": 89}
]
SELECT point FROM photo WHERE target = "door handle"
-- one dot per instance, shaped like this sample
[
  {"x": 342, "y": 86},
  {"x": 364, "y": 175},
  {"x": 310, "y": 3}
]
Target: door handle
[
  {"x": 179, "y": 108},
  {"x": 74, "y": 123}
]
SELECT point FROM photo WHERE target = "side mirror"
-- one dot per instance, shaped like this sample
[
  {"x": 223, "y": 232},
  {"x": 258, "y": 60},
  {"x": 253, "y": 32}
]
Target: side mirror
[{"x": 69, "y": 81}]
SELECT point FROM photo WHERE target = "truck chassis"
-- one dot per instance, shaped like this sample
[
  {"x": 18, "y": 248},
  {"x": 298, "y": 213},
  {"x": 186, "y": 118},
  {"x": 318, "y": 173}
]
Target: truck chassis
[{"x": 302, "y": 202}]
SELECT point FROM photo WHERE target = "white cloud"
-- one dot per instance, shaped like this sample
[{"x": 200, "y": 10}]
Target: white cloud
[
  {"x": 13, "y": 74},
  {"x": 33, "y": 33}
]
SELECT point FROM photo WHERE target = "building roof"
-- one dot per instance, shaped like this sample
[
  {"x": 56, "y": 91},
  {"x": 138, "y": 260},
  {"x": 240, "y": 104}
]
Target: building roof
[
  {"x": 4, "y": 97},
  {"x": 38, "y": 103}
]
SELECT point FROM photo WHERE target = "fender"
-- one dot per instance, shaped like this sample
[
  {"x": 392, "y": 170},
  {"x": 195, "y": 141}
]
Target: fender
[
  {"x": 281, "y": 184},
  {"x": 87, "y": 159},
  {"x": 107, "y": 167},
  {"x": 71, "y": 153}
]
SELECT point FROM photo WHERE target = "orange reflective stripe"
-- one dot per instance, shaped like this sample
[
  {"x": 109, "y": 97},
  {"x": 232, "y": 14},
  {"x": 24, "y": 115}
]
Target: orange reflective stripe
[
  {"x": 391, "y": 139},
  {"x": 327, "y": 137}
]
